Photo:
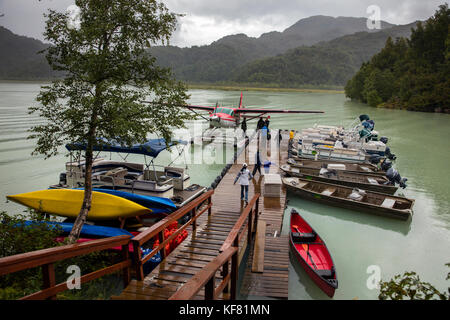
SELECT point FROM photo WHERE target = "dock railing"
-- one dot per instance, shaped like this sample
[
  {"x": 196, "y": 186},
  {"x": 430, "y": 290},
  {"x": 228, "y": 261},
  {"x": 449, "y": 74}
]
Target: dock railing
[
  {"x": 195, "y": 207},
  {"x": 47, "y": 257},
  {"x": 229, "y": 251}
]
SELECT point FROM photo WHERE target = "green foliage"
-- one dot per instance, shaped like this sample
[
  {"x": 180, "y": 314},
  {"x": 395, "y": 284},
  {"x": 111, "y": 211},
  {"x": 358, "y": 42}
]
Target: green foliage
[
  {"x": 16, "y": 238},
  {"x": 409, "y": 74},
  {"x": 408, "y": 286}
]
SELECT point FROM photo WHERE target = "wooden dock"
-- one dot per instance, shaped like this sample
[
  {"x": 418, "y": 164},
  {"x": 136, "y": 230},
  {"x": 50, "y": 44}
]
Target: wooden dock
[{"x": 203, "y": 246}]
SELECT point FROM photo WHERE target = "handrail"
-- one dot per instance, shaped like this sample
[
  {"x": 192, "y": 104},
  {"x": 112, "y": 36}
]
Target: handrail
[
  {"x": 206, "y": 278},
  {"x": 158, "y": 230},
  {"x": 248, "y": 212},
  {"x": 46, "y": 258},
  {"x": 229, "y": 250}
]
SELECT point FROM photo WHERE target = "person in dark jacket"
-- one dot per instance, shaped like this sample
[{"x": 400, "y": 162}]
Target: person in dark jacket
[
  {"x": 279, "y": 137},
  {"x": 257, "y": 164},
  {"x": 266, "y": 123},
  {"x": 260, "y": 124},
  {"x": 244, "y": 127}
]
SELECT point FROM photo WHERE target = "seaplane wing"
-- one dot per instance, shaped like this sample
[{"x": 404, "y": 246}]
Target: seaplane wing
[
  {"x": 205, "y": 108},
  {"x": 251, "y": 110}
]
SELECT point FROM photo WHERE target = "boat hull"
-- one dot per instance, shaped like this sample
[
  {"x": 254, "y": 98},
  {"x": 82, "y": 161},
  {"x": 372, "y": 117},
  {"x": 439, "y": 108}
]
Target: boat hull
[
  {"x": 388, "y": 189},
  {"x": 358, "y": 168},
  {"x": 328, "y": 287},
  {"x": 351, "y": 204},
  {"x": 325, "y": 287},
  {"x": 68, "y": 202}
]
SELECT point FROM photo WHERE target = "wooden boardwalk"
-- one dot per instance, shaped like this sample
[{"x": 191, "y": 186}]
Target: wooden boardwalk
[{"x": 203, "y": 246}]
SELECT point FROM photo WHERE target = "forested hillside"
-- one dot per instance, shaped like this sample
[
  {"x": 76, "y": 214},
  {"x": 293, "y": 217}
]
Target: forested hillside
[
  {"x": 220, "y": 61},
  {"x": 411, "y": 74},
  {"x": 19, "y": 58},
  {"x": 327, "y": 63}
]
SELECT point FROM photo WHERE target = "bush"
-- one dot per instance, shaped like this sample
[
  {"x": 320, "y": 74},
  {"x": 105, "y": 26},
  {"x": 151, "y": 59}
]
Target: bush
[
  {"x": 16, "y": 238},
  {"x": 409, "y": 286}
]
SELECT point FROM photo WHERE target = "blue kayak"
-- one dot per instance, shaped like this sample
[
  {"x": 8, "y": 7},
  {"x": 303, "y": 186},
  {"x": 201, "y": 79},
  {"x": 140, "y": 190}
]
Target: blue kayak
[
  {"x": 87, "y": 230},
  {"x": 156, "y": 204},
  {"x": 90, "y": 231}
]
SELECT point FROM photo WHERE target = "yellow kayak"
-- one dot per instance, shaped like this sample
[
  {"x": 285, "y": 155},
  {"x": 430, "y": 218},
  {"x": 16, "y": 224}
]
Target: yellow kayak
[{"x": 67, "y": 203}]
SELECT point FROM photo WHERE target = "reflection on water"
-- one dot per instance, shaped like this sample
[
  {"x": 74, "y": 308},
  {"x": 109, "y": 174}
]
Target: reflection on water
[{"x": 356, "y": 240}]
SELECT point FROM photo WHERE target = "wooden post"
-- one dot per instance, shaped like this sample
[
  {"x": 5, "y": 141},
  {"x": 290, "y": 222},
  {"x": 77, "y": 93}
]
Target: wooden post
[
  {"x": 209, "y": 288},
  {"x": 249, "y": 232},
  {"x": 209, "y": 203},
  {"x": 194, "y": 223},
  {"x": 161, "y": 240},
  {"x": 48, "y": 275},
  {"x": 138, "y": 261},
  {"x": 256, "y": 212},
  {"x": 126, "y": 271},
  {"x": 224, "y": 275},
  {"x": 234, "y": 275}
]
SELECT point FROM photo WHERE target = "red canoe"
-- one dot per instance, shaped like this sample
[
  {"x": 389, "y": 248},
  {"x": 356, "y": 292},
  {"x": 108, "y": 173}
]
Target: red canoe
[{"x": 312, "y": 253}]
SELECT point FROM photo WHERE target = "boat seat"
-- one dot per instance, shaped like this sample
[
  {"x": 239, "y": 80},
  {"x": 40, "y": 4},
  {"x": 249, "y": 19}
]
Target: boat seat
[
  {"x": 325, "y": 273},
  {"x": 328, "y": 191},
  {"x": 119, "y": 172},
  {"x": 300, "y": 237},
  {"x": 388, "y": 203},
  {"x": 372, "y": 181}
]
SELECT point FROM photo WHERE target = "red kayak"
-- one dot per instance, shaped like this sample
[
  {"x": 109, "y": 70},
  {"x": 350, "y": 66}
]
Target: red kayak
[{"x": 312, "y": 253}]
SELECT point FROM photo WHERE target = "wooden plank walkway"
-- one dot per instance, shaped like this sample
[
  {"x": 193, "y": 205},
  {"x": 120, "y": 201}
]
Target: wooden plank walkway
[
  {"x": 203, "y": 246},
  {"x": 273, "y": 282}
]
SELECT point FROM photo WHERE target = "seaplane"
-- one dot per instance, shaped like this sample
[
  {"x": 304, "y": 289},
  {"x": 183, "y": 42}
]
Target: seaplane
[{"x": 232, "y": 117}]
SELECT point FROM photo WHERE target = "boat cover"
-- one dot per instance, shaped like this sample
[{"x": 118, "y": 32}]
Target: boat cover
[{"x": 150, "y": 148}]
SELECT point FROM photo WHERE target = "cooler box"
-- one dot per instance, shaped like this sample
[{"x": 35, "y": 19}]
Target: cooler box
[{"x": 272, "y": 185}]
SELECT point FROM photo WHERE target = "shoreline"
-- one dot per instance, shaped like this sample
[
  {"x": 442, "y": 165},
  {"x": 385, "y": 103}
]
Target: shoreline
[
  {"x": 268, "y": 89},
  {"x": 214, "y": 87}
]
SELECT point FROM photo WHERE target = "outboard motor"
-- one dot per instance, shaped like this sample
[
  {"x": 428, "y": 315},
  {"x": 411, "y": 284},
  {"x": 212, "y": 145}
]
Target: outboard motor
[
  {"x": 364, "y": 117},
  {"x": 62, "y": 179},
  {"x": 394, "y": 177},
  {"x": 375, "y": 159},
  {"x": 384, "y": 140},
  {"x": 390, "y": 155},
  {"x": 386, "y": 165}
]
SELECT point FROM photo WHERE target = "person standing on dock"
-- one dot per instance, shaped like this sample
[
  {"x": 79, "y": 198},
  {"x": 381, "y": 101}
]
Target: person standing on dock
[
  {"x": 244, "y": 176},
  {"x": 257, "y": 164},
  {"x": 266, "y": 123},
  {"x": 244, "y": 127},
  {"x": 260, "y": 124}
]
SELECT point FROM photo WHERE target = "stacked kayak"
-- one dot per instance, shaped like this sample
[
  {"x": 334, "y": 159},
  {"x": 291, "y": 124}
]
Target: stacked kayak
[
  {"x": 92, "y": 232},
  {"x": 156, "y": 204},
  {"x": 67, "y": 203},
  {"x": 87, "y": 231}
]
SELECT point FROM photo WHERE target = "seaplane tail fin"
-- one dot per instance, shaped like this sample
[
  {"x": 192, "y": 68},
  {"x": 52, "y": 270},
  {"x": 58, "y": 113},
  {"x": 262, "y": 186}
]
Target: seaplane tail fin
[{"x": 240, "y": 102}]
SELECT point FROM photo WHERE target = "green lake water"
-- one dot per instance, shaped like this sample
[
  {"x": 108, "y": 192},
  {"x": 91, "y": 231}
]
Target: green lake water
[{"x": 357, "y": 241}]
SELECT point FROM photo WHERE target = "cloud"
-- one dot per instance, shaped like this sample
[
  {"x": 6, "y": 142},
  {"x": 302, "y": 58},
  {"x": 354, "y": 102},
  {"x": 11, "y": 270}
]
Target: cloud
[{"x": 208, "y": 20}]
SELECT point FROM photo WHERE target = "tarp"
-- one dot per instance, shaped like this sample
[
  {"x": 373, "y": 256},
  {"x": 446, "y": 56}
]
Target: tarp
[{"x": 151, "y": 148}]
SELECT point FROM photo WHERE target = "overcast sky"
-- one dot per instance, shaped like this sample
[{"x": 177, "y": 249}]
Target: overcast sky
[{"x": 208, "y": 20}]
